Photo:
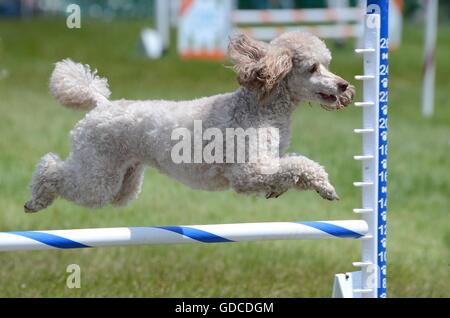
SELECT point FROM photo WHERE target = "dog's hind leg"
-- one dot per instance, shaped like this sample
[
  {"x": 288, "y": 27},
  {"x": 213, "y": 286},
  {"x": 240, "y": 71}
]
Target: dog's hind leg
[
  {"x": 45, "y": 183},
  {"x": 90, "y": 180},
  {"x": 131, "y": 185}
]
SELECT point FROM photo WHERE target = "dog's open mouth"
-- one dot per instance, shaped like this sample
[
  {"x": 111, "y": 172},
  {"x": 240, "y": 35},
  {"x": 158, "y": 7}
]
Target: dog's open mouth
[
  {"x": 330, "y": 101},
  {"x": 328, "y": 98},
  {"x": 336, "y": 102}
]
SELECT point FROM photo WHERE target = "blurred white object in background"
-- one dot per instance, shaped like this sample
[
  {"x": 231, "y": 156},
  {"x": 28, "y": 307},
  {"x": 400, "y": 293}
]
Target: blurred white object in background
[
  {"x": 152, "y": 43},
  {"x": 155, "y": 42},
  {"x": 162, "y": 8},
  {"x": 429, "y": 68},
  {"x": 395, "y": 24}
]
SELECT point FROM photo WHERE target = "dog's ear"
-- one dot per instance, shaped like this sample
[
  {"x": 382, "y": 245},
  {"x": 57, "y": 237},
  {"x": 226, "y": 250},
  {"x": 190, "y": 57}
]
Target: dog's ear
[
  {"x": 246, "y": 54},
  {"x": 258, "y": 65},
  {"x": 275, "y": 65}
]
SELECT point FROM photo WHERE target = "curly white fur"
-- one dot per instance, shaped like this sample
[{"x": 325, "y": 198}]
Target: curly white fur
[
  {"x": 116, "y": 140},
  {"x": 75, "y": 86}
]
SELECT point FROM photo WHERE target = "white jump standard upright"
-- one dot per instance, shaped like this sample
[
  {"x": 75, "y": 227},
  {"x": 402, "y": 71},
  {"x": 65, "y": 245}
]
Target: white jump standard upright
[{"x": 370, "y": 281}]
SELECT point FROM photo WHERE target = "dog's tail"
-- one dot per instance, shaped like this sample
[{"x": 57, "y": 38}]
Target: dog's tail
[{"x": 75, "y": 86}]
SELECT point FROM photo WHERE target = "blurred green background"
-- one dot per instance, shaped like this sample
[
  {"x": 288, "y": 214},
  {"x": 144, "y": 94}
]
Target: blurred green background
[{"x": 32, "y": 124}]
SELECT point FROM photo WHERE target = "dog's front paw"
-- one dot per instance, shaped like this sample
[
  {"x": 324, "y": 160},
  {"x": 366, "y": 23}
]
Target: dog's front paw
[
  {"x": 32, "y": 207},
  {"x": 323, "y": 186},
  {"x": 328, "y": 192}
]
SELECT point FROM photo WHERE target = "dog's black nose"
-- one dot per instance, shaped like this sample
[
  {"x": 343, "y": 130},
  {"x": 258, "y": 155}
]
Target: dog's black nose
[{"x": 342, "y": 86}]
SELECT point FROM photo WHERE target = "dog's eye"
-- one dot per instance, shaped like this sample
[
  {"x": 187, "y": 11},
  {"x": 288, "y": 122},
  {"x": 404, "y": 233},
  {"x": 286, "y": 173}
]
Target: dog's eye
[{"x": 314, "y": 68}]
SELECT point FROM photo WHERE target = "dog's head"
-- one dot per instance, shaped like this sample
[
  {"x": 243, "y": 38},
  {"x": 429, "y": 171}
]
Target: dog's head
[{"x": 297, "y": 60}]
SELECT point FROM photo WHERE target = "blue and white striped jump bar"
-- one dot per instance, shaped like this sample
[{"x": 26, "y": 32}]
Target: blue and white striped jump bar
[{"x": 214, "y": 233}]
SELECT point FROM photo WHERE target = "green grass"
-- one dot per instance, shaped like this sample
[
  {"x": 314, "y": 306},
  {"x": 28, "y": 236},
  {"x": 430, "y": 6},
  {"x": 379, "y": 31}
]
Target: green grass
[{"x": 32, "y": 124}]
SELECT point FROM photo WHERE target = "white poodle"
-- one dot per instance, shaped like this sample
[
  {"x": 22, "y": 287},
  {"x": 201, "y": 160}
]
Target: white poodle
[{"x": 116, "y": 140}]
